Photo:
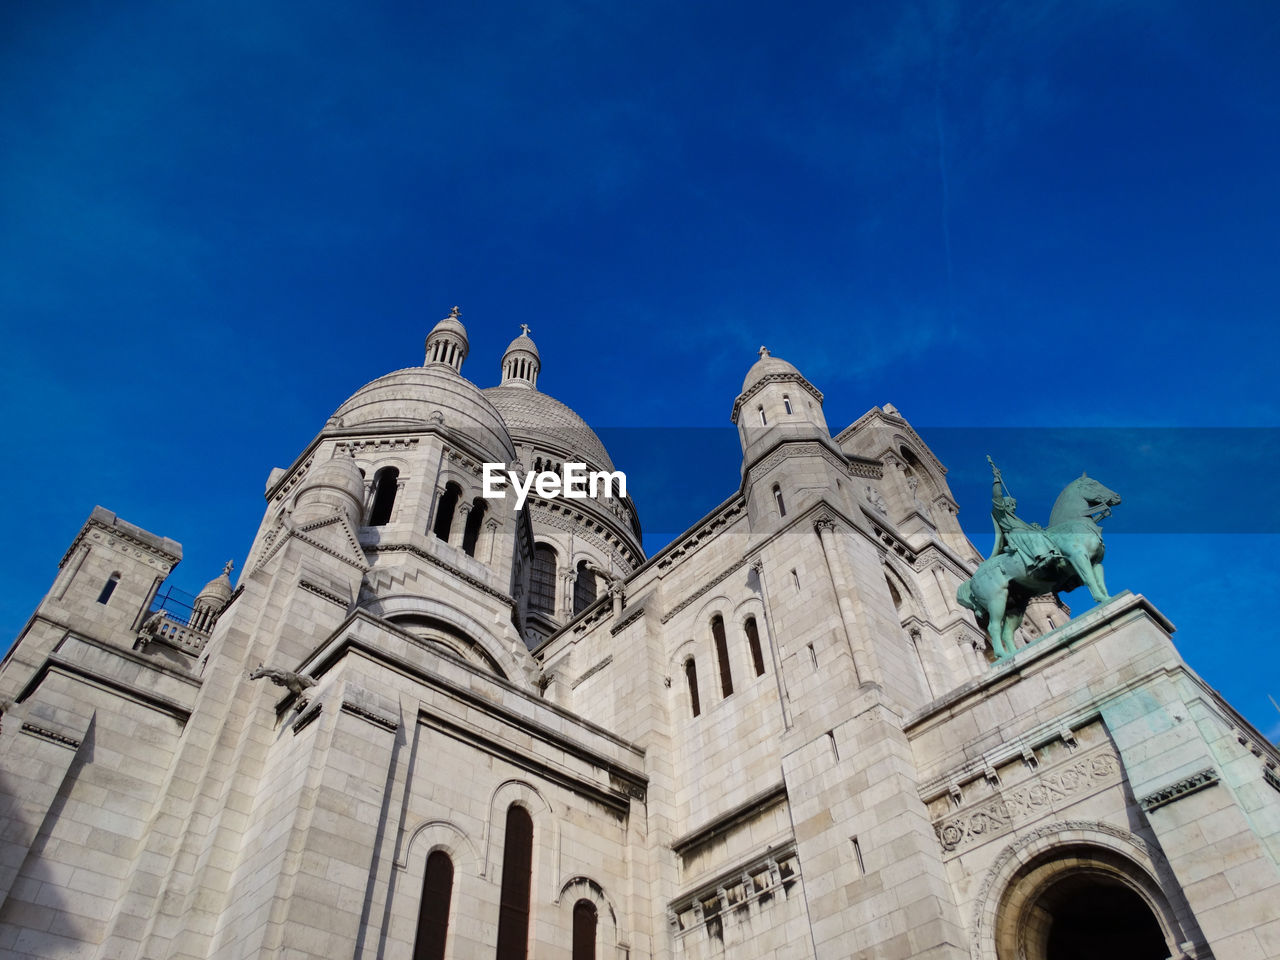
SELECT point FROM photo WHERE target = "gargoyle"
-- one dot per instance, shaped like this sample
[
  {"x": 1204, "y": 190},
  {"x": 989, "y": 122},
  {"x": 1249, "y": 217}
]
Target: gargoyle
[{"x": 293, "y": 682}]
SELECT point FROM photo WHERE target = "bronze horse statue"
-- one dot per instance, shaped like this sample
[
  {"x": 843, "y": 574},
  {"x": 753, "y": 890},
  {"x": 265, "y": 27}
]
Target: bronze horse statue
[{"x": 1003, "y": 584}]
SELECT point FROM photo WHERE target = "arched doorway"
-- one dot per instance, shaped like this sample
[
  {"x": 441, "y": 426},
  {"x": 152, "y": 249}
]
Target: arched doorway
[
  {"x": 1082, "y": 901},
  {"x": 1095, "y": 916}
]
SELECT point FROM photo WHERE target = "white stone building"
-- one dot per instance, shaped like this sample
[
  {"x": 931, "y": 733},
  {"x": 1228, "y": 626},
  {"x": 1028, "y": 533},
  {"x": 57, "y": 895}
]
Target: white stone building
[{"x": 496, "y": 733}]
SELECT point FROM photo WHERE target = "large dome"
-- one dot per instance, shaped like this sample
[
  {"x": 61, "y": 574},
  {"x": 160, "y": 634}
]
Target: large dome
[
  {"x": 544, "y": 420},
  {"x": 426, "y": 395}
]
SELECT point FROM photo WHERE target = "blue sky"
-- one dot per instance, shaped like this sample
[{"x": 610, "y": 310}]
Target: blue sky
[{"x": 218, "y": 220}]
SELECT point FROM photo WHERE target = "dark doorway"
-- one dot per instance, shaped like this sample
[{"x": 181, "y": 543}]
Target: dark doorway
[{"x": 1102, "y": 919}]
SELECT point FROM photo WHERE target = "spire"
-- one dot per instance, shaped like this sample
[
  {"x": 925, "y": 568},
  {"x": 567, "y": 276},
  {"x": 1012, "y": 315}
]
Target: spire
[
  {"x": 447, "y": 342},
  {"x": 521, "y": 363}
]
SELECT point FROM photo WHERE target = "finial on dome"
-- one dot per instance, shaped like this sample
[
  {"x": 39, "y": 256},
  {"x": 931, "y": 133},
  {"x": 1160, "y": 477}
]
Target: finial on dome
[
  {"x": 521, "y": 362},
  {"x": 228, "y": 567},
  {"x": 447, "y": 342},
  {"x": 763, "y": 351}
]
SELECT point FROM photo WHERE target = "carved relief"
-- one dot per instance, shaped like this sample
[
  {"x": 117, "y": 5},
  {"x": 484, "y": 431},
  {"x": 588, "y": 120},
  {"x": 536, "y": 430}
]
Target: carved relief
[{"x": 1057, "y": 787}]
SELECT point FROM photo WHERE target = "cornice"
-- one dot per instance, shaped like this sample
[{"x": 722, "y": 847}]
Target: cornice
[{"x": 116, "y": 533}]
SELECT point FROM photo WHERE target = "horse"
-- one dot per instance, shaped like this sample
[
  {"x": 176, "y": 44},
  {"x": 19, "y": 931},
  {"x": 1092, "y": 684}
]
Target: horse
[{"x": 1001, "y": 587}]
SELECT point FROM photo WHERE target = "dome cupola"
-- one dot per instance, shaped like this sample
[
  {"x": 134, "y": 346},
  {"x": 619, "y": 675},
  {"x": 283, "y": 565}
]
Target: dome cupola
[
  {"x": 521, "y": 363},
  {"x": 212, "y": 600},
  {"x": 447, "y": 342}
]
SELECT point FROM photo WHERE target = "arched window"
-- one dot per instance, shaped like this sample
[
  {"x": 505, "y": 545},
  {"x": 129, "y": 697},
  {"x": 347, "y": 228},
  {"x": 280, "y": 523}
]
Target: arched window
[
  {"x": 584, "y": 930},
  {"x": 722, "y": 655},
  {"x": 471, "y": 535},
  {"x": 691, "y": 676},
  {"x": 517, "y": 871},
  {"x": 433, "y": 912},
  {"x": 542, "y": 579},
  {"x": 445, "y": 510},
  {"x": 584, "y": 587},
  {"x": 777, "y": 498},
  {"x": 385, "y": 482},
  {"x": 786, "y": 404},
  {"x": 109, "y": 588},
  {"x": 753, "y": 641},
  {"x": 764, "y": 421}
]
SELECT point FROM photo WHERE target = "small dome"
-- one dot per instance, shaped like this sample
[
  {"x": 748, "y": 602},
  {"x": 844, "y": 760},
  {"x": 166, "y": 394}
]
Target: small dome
[
  {"x": 768, "y": 366},
  {"x": 217, "y": 592},
  {"x": 451, "y": 324},
  {"x": 523, "y": 342},
  {"x": 334, "y": 485},
  {"x": 339, "y": 472}
]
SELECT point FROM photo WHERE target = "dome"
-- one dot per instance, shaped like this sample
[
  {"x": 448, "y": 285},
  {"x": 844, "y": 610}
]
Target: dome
[
  {"x": 768, "y": 366},
  {"x": 217, "y": 592},
  {"x": 540, "y": 419},
  {"x": 335, "y": 484},
  {"x": 523, "y": 342},
  {"x": 434, "y": 394},
  {"x": 340, "y": 472},
  {"x": 450, "y": 324}
]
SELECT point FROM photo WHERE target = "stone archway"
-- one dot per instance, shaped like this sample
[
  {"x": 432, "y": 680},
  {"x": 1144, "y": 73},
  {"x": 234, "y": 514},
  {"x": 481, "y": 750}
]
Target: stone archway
[
  {"x": 1096, "y": 916},
  {"x": 1082, "y": 901}
]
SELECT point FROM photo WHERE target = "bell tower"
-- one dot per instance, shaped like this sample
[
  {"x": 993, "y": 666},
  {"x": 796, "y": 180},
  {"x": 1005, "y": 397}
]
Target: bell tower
[{"x": 789, "y": 460}]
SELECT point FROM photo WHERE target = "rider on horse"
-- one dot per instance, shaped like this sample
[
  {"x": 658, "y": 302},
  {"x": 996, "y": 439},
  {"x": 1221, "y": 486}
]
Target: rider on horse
[{"x": 1015, "y": 536}]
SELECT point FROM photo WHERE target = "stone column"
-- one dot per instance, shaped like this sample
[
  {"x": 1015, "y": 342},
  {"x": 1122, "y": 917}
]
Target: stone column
[{"x": 459, "y": 527}]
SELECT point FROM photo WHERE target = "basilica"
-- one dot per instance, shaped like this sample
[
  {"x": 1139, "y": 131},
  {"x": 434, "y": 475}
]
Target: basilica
[{"x": 427, "y": 723}]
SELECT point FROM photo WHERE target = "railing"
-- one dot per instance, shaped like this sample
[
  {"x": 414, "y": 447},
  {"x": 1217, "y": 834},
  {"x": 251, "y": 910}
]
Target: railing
[
  {"x": 180, "y": 635},
  {"x": 176, "y": 604}
]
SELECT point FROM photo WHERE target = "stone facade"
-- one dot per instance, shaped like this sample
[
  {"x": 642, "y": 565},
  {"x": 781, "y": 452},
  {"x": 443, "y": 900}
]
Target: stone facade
[{"x": 780, "y": 737}]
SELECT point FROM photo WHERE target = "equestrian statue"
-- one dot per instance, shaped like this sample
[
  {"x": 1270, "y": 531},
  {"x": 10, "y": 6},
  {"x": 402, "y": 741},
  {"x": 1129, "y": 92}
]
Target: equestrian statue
[{"x": 1028, "y": 560}]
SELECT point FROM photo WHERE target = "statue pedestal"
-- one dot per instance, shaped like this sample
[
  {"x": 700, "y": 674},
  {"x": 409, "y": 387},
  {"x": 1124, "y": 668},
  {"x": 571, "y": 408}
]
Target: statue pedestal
[{"x": 1097, "y": 742}]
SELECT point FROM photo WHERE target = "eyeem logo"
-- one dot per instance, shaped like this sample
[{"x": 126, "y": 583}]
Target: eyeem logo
[{"x": 576, "y": 484}]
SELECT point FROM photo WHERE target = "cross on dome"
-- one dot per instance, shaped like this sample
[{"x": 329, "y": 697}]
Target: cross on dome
[
  {"x": 524, "y": 328},
  {"x": 764, "y": 352}
]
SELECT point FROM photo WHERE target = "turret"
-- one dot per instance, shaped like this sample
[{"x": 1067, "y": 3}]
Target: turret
[
  {"x": 212, "y": 600},
  {"x": 788, "y": 456},
  {"x": 777, "y": 404},
  {"x": 335, "y": 486},
  {"x": 521, "y": 363},
  {"x": 447, "y": 342}
]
